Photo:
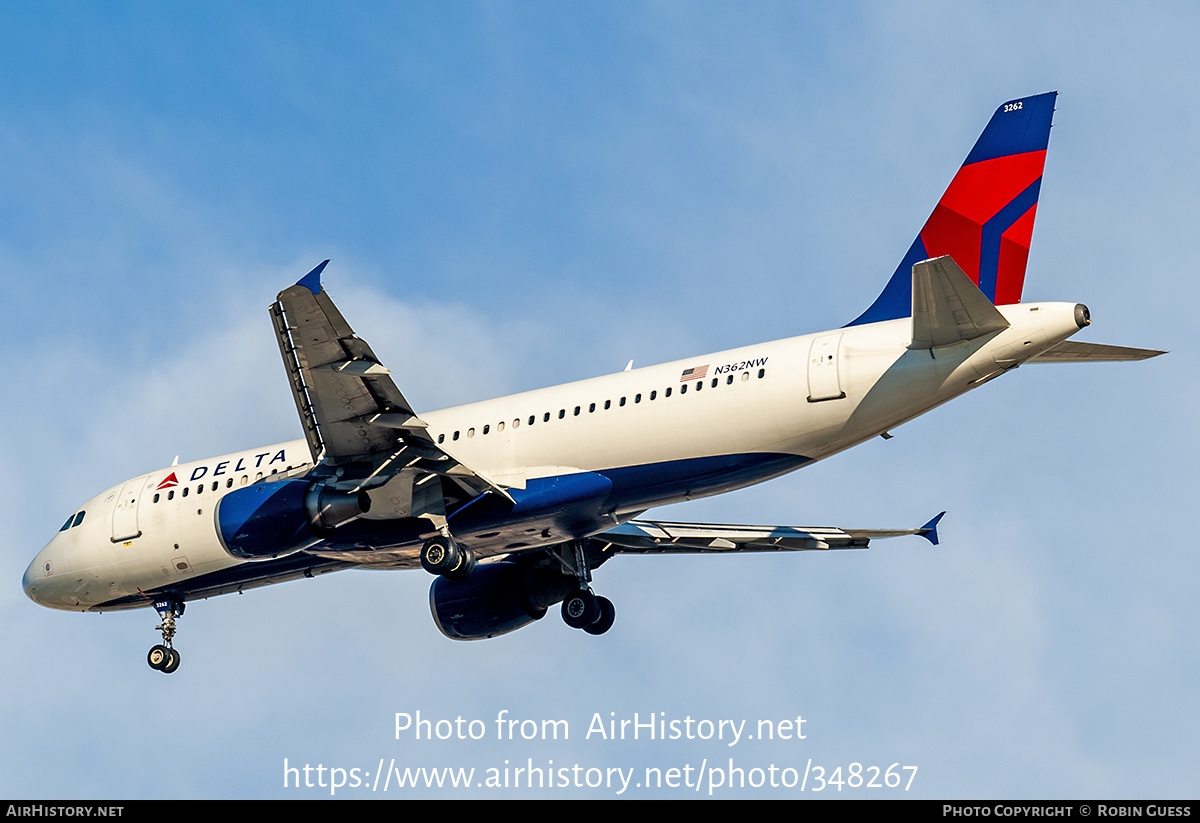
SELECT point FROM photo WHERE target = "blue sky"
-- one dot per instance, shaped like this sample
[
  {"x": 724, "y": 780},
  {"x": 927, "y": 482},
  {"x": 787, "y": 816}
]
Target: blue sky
[{"x": 515, "y": 195}]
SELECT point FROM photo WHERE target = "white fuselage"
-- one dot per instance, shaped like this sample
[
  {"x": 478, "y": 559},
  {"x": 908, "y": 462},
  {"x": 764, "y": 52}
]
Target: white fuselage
[{"x": 757, "y": 412}]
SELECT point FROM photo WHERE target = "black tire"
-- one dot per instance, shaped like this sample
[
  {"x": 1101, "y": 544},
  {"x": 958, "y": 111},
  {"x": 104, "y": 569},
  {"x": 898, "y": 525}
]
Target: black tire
[
  {"x": 172, "y": 662},
  {"x": 465, "y": 566},
  {"x": 608, "y": 613},
  {"x": 580, "y": 609},
  {"x": 440, "y": 555},
  {"x": 158, "y": 657}
]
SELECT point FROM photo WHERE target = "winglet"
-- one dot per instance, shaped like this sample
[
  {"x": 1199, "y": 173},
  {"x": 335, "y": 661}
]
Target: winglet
[
  {"x": 929, "y": 530},
  {"x": 312, "y": 280}
]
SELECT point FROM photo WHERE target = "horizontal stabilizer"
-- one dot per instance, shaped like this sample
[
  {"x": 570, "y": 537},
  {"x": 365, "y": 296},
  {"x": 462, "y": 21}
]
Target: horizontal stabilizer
[
  {"x": 947, "y": 308},
  {"x": 1070, "y": 351}
]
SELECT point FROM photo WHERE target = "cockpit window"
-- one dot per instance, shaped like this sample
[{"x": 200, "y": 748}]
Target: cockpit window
[{"x": 72, "y": 521}]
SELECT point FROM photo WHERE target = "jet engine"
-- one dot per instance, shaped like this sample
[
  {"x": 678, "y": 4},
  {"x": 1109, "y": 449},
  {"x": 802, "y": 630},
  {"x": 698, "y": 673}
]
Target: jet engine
[
  {"x": 495, "y": 599},
  {"x": 272, "y": 519}
]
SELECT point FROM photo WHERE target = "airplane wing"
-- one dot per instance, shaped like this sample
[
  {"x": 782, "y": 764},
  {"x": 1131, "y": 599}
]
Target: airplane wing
[
  {"x": 653, "y": 537},
  {"x": 1071, "y": 351},
  {"x": 354, "y": 417}
]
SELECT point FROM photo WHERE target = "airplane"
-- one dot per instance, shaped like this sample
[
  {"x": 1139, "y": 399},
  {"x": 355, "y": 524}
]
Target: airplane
[{"x": 512, "y": 503}]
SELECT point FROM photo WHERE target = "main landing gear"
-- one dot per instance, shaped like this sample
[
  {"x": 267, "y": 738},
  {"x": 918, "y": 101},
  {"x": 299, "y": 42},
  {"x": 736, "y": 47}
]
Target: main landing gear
[
  {"x": 442, "y": 555},
  {"x": 164, "y": 657},
  {"x": 583, "y": 609}
]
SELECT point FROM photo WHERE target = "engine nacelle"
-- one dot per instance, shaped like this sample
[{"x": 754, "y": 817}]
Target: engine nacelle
[
  {"x": 272, "y": 519},
  {"x": 496, "y": 599}
]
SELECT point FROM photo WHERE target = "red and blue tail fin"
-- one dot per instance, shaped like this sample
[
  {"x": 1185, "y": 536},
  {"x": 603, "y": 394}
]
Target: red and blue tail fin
[{"x": 985, "y": 219}]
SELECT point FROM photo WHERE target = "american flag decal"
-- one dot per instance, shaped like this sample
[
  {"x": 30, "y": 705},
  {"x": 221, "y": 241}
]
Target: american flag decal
[{"x": 694, "y": 373}]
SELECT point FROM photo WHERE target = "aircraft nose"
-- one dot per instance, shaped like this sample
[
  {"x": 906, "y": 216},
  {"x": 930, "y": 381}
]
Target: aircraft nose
[
  {"x": 31, "y": 576},
  {"x": 35, "y": 580}
]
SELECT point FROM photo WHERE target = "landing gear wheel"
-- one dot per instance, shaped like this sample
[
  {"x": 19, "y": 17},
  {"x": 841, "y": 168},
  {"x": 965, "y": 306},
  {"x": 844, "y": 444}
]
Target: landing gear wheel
[
  {"x": 158, "y": 657},
  {"x": 465, "y": 566},
  {"x": 580, "y": 609},
  {"x": 436, "y": 555},
  {"x": 163, "y": 657},
  {"x": 441, "y": 555},
  {"x": 608, "y": 613}
]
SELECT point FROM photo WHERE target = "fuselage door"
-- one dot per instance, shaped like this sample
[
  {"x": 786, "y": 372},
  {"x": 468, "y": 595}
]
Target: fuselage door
[
  {"x": 125, "y": 514},
  {"x": 824, "y": 382}
]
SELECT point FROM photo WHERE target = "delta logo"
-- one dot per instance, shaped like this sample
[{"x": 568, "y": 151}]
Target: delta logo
[{"x": 168, "y": 481}]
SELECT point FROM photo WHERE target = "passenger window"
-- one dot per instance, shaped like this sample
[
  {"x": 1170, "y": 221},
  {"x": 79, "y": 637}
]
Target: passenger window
[
  {"x": 546, "y": 417},
  {"x": 200, "y": 489},
  {"x": 667, "y": 393},
  {"x": 591, "y": 408},
  {"x": 185, "y": 491},
  {"x": 715, "y": 382},
  {"x": 607, "y": 405},
  {"x": 745, "y": 376},
  {"x": 500, "y": 426},
  {"x": 155, "y": 500},
  {"x": 682, "y": 389},
  {"x": 761, "y": 372},
  {"x": 228, "y": 485},
  {"x": 441, "y": 438},
  {"x": 215, "y": 484},
  {"x": 729, "y": 380},
  {"x": 486, "y": 427},
  {"x": 637, "y": 398},
  {"x": 653, "y": 394},
  {"x": 562, "y": 413},
  {"x": 171, "y": 494},
  {"x": 532, "y": 418},
  {"x": 456, "y": 435},
  {"x": 245, "y": 479},
  {"x": 471, "y": 432},
  {"x": 622, "y": 401},
  {"x": 577, "y": 411}
]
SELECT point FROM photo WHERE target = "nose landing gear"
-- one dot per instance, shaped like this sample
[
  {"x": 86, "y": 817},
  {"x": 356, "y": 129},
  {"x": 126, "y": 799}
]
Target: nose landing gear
[{"x": 164, "y": 657}]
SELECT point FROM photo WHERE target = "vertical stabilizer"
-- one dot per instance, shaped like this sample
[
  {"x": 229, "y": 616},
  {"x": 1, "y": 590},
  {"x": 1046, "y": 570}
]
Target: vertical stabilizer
[{"x": 984, "y": 221}]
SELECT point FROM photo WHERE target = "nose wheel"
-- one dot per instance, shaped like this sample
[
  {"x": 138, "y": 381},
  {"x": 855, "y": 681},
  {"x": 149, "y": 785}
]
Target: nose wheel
[{"x": 163, "y": 657}]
